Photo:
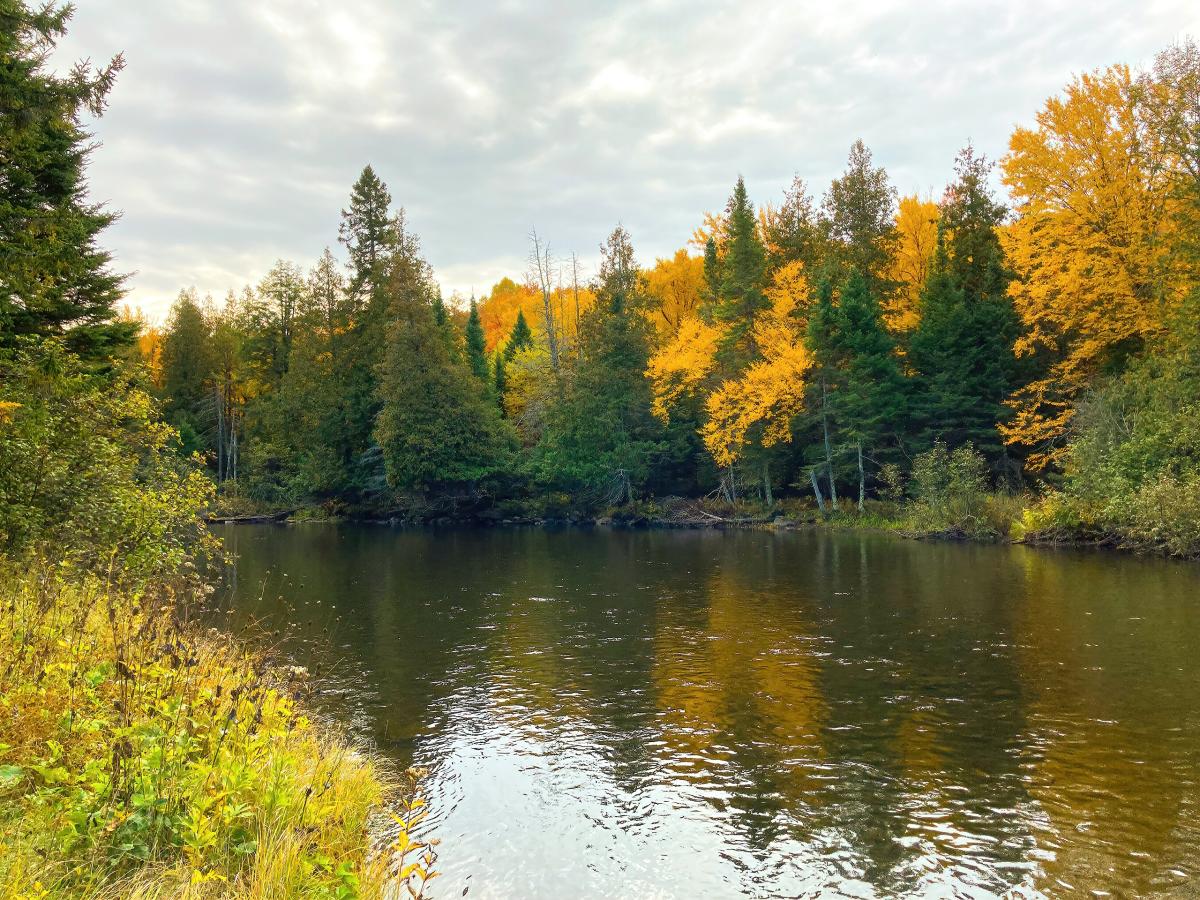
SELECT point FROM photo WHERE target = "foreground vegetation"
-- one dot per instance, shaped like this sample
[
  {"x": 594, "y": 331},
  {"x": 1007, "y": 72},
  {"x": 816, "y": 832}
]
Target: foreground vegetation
[
  {"x": 142, "y": 759},
  {"x": 140, "y": 755}
]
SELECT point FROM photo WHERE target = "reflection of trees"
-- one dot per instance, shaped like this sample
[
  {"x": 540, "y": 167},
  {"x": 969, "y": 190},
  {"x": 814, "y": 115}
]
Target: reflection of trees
[
  {"x": 1108, "y": 660},
  {"x": 897, "y": 711}
]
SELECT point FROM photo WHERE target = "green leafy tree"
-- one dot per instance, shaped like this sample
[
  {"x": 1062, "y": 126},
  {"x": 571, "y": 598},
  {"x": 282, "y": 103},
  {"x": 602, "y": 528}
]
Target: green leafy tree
[
  {"x": 88, "y": 471},
  {"x": 55, "y": 278}
]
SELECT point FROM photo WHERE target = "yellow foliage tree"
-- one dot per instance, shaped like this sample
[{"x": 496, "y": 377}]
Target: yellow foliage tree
[
  {"x": 916, "y": 242},
  {"x": 1090, "y": 247},
  {"x": 683, "y": 366},
  {"x": 768, "y": 393},
  {"x": 674, "y": 287}
]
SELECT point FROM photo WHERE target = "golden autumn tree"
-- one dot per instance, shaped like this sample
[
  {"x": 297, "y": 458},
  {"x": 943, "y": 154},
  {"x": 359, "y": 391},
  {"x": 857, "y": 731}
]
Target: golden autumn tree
[
  {"x": 674, "y": 288},
  {"x": 769, "y": 392},
  {"x": 912, "y": 258},
  {"x": 1091, "y": 246}
]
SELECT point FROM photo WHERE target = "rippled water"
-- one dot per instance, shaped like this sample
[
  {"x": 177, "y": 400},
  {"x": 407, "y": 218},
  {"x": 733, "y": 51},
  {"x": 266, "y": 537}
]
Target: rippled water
[{"x": 708, "y": 714}]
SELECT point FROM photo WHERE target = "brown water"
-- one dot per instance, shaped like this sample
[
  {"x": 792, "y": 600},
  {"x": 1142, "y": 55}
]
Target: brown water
[{"x": 708, "y": 714}]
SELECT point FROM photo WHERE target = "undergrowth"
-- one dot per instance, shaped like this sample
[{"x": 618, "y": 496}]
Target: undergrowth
[{"x": 143, "y": 757}]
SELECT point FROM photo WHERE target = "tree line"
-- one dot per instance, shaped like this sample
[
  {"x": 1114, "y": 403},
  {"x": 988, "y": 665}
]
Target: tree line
[{"x": 813, "y": 346}]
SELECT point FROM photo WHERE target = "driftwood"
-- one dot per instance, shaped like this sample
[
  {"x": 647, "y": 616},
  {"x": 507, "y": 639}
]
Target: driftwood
[{"x": 281, "y": 516}]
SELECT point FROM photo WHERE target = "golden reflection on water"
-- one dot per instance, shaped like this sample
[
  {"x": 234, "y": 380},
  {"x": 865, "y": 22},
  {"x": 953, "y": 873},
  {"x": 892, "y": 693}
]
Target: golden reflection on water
[{"x": 685, "y": 714}]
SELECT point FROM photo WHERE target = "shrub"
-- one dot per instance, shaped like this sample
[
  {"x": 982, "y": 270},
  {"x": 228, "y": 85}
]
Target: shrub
[{"x": 949, "y": 493}]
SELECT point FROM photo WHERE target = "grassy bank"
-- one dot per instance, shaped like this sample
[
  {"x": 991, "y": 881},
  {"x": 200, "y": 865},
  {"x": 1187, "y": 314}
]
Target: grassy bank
[{"x": 143, "y": 757}]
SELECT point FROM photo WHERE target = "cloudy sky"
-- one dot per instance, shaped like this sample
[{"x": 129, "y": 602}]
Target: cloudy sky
[{"x": 237, "y": 128}]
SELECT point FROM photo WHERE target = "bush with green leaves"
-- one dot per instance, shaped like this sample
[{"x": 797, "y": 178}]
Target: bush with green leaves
[
  {"x": 949, "y": 491},
  {"x": 89, "y": 474}
]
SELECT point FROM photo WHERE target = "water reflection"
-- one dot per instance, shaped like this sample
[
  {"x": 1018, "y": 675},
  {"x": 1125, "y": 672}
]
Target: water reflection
[{"x": 682, "y": 714}]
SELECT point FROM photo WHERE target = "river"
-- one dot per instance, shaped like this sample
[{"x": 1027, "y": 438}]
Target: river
[{"x": 688, "y": 714}]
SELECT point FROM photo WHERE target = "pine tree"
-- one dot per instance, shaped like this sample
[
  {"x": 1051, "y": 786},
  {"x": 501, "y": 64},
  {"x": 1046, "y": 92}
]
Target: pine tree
[
  {"x": 793, "y": 233},
  {"x": 603, "y": 437},
  {"x": 962, "y": 346},
  {"x": 436, "y": 429},
  {"x": 369, "y": 233},
  {"x": 519, "y": 338},
  {"x": 476, "y": 345},
  {"x": 55, "y": 279}
]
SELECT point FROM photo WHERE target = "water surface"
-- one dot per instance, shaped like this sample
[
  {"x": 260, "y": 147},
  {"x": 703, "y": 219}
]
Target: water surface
[{"x": 721, "y": 714}]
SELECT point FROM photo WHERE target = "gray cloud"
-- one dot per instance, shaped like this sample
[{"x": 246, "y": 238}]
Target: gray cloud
[{"x": 237, "y": 129}]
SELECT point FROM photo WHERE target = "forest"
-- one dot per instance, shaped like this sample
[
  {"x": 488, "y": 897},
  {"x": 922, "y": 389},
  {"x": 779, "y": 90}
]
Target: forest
[{"x": 1014, "y": 356}]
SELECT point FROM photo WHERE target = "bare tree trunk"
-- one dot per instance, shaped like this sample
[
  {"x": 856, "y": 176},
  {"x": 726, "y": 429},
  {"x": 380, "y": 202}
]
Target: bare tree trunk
[
  {"x": 828, "y": 450},
  {"x": 542, "y": 272},
  {"x": 575, "y": 289},
  {"x": 862, "y": 480},
  {"x": 766, "y": 482},
  {"x": 816, "y": 485},
  {"x": 219, "y": 401}
]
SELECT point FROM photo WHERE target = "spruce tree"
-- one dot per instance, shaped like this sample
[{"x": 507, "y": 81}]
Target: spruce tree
[
  {"x": 603, "y": 438},
  {"x": 55, "y": 279},
  {"x": 519, "y": 338},
  {"x": 859, "y": 215},
  {"x": 961, "y": 349},
  {"x": 436, "y": 429},
  {"x": 740, "y": 297},
  {"x": 499, "y": 379},
  {"x": 861, "y": 391},
  {"x": 476, "y": 345}
]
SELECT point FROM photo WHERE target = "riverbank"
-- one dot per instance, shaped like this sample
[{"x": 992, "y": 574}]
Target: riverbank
[
  {"x": 143, "y": 757},
  {"x": 1052, "y": 520}
]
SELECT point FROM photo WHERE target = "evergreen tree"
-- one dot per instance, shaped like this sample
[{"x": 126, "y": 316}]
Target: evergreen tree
[
  {"x": 859, "y": 215},
  {"x": 862, "y": 388},
  {"x": 55, "y": 279},
  {"x": 372, "y": 237},
  {"x": 519, "y": 338},
  {"x": 476, "y": 345},
  {"x": 369, "y": 233},
  {"x": 962, "y": 347},
  {"x": 435, "y": 427},
  {"x": 712, "y": 276},
  {"x": 187, "y": 367},
  {"x": 740, "y": 297},
  {"x": 269, "y": 319},
  {"x": 793, "y": 233},
  {"x": 603, "y": 437},
  {"x": 499, "y": 379}
]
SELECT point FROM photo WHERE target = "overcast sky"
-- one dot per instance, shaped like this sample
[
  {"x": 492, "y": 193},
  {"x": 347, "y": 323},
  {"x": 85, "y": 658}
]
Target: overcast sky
[{"x": 237, "y": 128}]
